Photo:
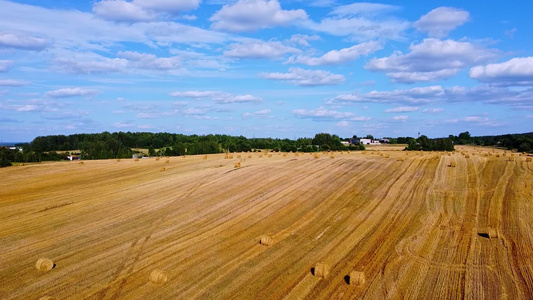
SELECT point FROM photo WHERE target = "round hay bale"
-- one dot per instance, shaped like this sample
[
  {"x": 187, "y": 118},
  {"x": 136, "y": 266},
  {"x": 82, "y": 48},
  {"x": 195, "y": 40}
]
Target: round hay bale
[
  {"x": 511, "y": 158},
  {"x": 321, "y": 270},
  {"x": 452, "y": 164},
  {"x": 118, "y": 160},
  {"x": 528, "y": 159},
  {"x": 157, "y": 158},
  {"x": 158, "y": 276},
  {"x": 168, "y": 161},
  {"x": 205, "y": 156},
  {"x": 239, "y": 156},
  {"x": 162, "y": 169},
  {"x": 467, "y": 155},
  {"x": 387, "y": 155},
  {"x": 44, "y": 264},
  {"x": 81, "y": 163},
  {"x": 136, "y": 159},
  {"x": 332, "y": 156},
  {"x": 266, "y": 240},
  {"x": 493, "y": 233},
  {"x": 237, "y": 165},
  {"x": 357, "y": 278}
]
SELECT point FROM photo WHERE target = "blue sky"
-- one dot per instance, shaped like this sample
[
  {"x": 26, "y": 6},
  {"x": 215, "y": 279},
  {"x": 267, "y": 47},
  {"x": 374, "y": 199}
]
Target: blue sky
[{"x": 258, "y": 68}]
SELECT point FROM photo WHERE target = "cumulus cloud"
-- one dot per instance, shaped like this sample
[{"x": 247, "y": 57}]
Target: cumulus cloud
[
  {"x": 86, "y": 32},
  {"x": 217, "y": 96},
  {"x": 251, "y": 15},
  {"x": 265, "y": 114},
  {"x": 72, "y": 92},
  {"x": 514, "y": 72},
  {"x": 336, "y": 57},
  {"x": 123, "y": 124},
  {"x": 5, "y": 65},
  {"x": 400, "y": 118},
  {"x": 168, "y": 6},
  {"x": 301, "y": 77},
  {"x": 362, "y": 22},
  {"x": 22, "y": 41},
  {"x": 140, "y": 10},
  {"x": 402, "y": 109},
  {"x": 10, "y": 82},
  {"x": 259, "y": 49},
  {"x": 149, "y": 61},
  {"x": 411, "y": 96},
  {"x": 520, "y": 99},
  {"x": 90, "y": 63},
  {"x": 121, "y": 11},
  {"x": 430, "y": 60},
  {"x": 440, "y": 21},
  {"x": 363, "y": 8},
  {"x": 302, "y": 39},
  {"x": 323, "y": 114},
  {"x": 433, "y": 110}
]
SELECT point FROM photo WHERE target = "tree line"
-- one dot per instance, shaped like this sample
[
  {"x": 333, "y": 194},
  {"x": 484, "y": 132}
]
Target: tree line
[{"x": 122, "y": 144}]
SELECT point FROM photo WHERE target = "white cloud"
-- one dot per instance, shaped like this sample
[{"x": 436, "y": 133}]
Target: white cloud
[
  {"x": 86, "y": 32},
  {"x": 430, "y": 60},
  {"x": 72, "y": 92},
  {"x": 433, "y": 110},
  {"x": 217, "y": 96},
  {"x": 335, "y": 57},
  {"x": 519, "y": 99},
  {"x": 265, "y": 114},
  {"x": 146, "y": 126},
  {"x": 22, "y": 41},
  {"x": 140, "y": 10},
  {"x": 323, "y": 114},
  {"x": 259, "y": 49},
  {"x": 400, "y": 118},
  {"x": 168, "y": 6},
  {"x": 301, "y": 77},
  {"x": 199, "y": 94},
  {"x": 251, "y": 15},
  {"x": 240, "y": 99},
  {"x": 342, "y": 124},
  {"x": 150, "y": 61},
  {"x": 122, "y": 11},
  {"x": 362, "y": 22},
  {"x": 402, "y": 109},
  {"x": 5, "y": 65},
  {"x": 411, "y": 96},
  {"x": 188, "y": 17},
  {"x": 363, "y": 8},
  {"x": 123, "y": 124},
  {"x": 127, "y": 61},
  {"x": 515, "y": 72},
  {"x": 195, "y": 111},
  {"x": 302, "y": 39},
  {"x": 441, "y": 21},
  {"x": 10, "y": 82}
]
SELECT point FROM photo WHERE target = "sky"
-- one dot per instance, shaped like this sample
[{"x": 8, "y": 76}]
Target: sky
[{"x": 260, "y": 68}]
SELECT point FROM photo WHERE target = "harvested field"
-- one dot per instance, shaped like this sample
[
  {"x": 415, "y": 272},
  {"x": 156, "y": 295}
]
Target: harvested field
[{"x": 410, "y": 229}]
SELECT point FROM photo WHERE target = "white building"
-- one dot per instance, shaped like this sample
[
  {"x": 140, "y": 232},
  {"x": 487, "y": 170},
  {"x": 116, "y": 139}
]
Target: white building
[{"x": 369, "y": 142}]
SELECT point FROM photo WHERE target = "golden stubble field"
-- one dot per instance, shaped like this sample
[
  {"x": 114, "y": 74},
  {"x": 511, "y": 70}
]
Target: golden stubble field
[{"x": 409, "y": 225}]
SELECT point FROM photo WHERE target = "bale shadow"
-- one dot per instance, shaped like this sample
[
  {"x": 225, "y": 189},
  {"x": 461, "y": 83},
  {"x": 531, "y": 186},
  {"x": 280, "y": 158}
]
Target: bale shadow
[
  {"x": 313, "y": 271},
  {"x": 484, "y": 235},
  {"x": 347, "y": 279}
]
